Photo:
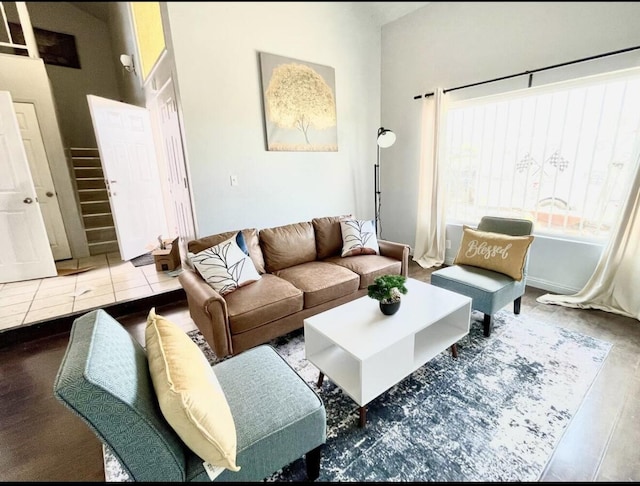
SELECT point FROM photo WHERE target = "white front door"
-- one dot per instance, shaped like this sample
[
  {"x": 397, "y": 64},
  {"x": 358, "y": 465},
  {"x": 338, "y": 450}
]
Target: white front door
[
  {"x": 178, "y": 185},
  {"x": 24, "y": 246},
  {"x": 42, "y": 180},
  {"x": 128, "y": 154}
]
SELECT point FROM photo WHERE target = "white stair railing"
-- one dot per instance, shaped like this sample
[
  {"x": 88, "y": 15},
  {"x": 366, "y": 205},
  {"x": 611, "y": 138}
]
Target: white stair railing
[{"x": 27, "y": 29}]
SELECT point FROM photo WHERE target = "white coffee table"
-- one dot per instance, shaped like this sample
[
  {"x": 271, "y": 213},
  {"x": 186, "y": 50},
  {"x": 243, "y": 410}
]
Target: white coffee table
[{"x": 365, "y": 352}]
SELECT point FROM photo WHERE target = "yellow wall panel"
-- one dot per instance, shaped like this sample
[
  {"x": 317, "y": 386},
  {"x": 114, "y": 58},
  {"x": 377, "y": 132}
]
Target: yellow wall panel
[{"x": 148, "y": 26}]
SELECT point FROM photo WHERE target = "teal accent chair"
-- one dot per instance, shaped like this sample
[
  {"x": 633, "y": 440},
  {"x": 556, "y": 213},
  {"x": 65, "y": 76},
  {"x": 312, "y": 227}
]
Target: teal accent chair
[
  {"x": 104, "y": 379},
  {"x": 490, "y": 291}
]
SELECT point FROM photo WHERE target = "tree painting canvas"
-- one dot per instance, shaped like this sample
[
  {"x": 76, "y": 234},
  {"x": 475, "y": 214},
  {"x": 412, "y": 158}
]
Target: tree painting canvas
[{"x": 299, "y": 105}]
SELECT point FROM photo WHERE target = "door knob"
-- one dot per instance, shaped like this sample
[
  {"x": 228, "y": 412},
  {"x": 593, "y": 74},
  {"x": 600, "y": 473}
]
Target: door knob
[
  {"x": 49, "y": 194},
  {"x": 27, "y": 200}
]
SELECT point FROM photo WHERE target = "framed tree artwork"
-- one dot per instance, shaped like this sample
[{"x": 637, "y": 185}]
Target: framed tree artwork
[{"x": 299, "y": 105}]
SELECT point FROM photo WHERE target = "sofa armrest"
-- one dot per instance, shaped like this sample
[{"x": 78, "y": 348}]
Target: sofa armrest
[
  {"x": 399, "y": 251},
  {"x": 208, "y": 309}
]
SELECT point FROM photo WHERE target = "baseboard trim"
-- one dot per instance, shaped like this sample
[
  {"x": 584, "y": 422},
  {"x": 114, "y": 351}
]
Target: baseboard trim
[
  {"x": 551, "y": 287},
  {"x": 62, "y": 324}
]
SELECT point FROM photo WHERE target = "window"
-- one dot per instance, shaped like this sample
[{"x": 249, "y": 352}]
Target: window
[
  {"x": 147, "y": 22},
  {"x": 562, "y": 155}
]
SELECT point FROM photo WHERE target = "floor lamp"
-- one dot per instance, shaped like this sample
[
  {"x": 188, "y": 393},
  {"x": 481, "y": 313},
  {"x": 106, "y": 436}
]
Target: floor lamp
[{"x": 386, "y": 138}]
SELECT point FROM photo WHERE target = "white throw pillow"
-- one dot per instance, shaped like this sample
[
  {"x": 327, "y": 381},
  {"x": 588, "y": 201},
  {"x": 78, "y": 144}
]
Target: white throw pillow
[
  {"x": 225, "y": 267},
  {"x": 358, "y": 238}
]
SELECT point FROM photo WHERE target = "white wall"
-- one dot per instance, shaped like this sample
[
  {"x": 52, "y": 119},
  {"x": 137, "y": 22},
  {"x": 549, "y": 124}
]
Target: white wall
[
  {"x": 216, "y": 46},
  {"x": 70, "y": 86},
  {"x": 450, "y": 44},
  {"x": 123, "y": 42}
]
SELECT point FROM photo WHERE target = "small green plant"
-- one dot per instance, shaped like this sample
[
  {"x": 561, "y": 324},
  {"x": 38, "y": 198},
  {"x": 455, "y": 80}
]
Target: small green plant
[{"x": 387, "y": 288}]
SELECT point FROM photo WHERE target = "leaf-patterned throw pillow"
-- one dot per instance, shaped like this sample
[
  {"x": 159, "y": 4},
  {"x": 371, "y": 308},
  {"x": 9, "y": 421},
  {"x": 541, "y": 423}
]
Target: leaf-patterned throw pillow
[
  {"x": 358, "y": 238},
  {"x": 225, "y": 267}
]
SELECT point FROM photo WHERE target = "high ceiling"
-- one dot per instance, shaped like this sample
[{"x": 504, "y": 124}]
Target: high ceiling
[
  {"x": 99, "y": 10},
  {"x": 382, "y": 12},
  {"x": 385, "y": 12}
]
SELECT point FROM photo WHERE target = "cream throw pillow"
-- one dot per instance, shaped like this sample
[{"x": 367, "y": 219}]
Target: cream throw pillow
[
  {"x": 189, "y": 394},
  {"x": 494, "y": 251},
  {"x": 358, "y": 238},
  {"x": 226, "y": 266}
]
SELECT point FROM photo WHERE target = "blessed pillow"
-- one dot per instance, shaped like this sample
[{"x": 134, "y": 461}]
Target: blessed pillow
[
  {"x": 358, "y": 238},
  {"x": 494, "y": 251},
  {"x": 189, "y": 393},
  {"x": 227, "y": 265}
]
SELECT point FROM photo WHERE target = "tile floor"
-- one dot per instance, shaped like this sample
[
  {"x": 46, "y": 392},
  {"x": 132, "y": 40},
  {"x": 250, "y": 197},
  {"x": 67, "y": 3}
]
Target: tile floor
[{"x": 111, "y": 280}]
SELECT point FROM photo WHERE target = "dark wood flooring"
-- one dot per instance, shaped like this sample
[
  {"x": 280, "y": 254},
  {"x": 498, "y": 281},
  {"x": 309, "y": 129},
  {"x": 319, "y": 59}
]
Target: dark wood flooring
[{"x": 41, "y": 440}]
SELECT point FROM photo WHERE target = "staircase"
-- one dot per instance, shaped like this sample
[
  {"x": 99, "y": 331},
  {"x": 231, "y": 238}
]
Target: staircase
[{"x": 94, "y": 201}]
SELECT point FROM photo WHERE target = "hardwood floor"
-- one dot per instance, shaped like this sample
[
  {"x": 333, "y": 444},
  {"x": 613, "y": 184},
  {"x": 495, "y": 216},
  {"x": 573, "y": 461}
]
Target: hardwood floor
[{"x": 41, "y": 440}]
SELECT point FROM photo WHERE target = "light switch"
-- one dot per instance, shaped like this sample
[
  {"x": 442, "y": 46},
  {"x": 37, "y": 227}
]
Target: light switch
[{"x": 234, "y": 180}]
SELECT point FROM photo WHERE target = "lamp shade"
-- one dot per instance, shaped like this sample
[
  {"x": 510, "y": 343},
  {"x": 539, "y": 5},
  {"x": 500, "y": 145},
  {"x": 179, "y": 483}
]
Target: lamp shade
[{"x": 386, "y": 138}]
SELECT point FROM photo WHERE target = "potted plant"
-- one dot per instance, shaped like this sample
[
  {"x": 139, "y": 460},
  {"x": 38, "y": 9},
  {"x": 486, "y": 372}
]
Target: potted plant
[{"x": 388, "y": 290}]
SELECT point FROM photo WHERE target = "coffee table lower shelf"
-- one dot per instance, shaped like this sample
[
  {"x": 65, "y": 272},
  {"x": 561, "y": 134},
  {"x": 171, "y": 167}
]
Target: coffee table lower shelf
[{"x": 369, "y": 371}]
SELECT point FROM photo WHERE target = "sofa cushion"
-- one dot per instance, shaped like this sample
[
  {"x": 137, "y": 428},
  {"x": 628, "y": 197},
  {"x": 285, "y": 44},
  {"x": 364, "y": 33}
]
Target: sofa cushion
[
  {"x": 328, "y": 235},
  {"x": 190, "y": 397},
  {"x": 288, "y": 245},
  {"x": 321, "y": 281},
  {"x": 494, "y": 251},
  {"x": 358, "y": 238},
  {"x": 225, "y": 266},
  {"x": 266, "y": 300},
  {"x": 250, "y": 238},
  {"x": 369, "y": 267}
]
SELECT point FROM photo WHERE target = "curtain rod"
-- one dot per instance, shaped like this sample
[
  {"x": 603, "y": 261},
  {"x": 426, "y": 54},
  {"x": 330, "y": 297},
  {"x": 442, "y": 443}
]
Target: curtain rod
[{"x": 531, "y": 72}]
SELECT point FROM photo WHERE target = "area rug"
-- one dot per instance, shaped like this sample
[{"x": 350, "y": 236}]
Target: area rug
[
  {"x": 142, "y": 260},
  {"x": 494, "y": 414}
]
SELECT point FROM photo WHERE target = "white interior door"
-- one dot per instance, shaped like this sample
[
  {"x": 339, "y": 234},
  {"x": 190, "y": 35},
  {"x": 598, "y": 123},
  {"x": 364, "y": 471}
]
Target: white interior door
[
  {"x": 42, "y": 180},
  {"x": 24, "y": 246},
  {"x": 127, "y": 150},
  {"x": 178, "y": 186}
]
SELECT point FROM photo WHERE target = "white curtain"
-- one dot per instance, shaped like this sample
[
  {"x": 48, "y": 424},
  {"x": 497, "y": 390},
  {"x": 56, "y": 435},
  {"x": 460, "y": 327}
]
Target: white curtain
[
  {"x": 429, "y": 249},
  {"x": 614, "y": 285}
]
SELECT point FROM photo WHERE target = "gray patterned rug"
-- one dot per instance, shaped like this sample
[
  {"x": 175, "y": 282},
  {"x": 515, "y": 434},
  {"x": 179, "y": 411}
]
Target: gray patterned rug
[
  {"x": 494, "y": 414},
  {"x": 143, "y": 260}
]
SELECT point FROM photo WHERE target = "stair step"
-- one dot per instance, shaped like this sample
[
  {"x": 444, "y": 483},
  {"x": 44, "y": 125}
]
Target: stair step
[
  {"x": 99, "y": 220},
  {"x": 95, "y": 207},
  {"x": 103, "y": 247},
  {"x": 86, "y": 195},
  {"x": 86, "y": 162},
  {"x": 88, "y": 173},
  {"x": 84, "y": 152},
  {"x": 98, "y": 235},
  {"x": 90, "y": 184}
]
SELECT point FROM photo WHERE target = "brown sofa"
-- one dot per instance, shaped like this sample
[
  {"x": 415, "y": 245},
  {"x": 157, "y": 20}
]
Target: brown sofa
[{"x": 302, "y": 274}]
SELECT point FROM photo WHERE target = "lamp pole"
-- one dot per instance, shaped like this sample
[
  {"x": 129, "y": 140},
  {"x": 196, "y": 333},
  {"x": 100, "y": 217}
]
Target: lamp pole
[
  {"x": 386, "y": 138},
  {"x": 376, "y": 189}
]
